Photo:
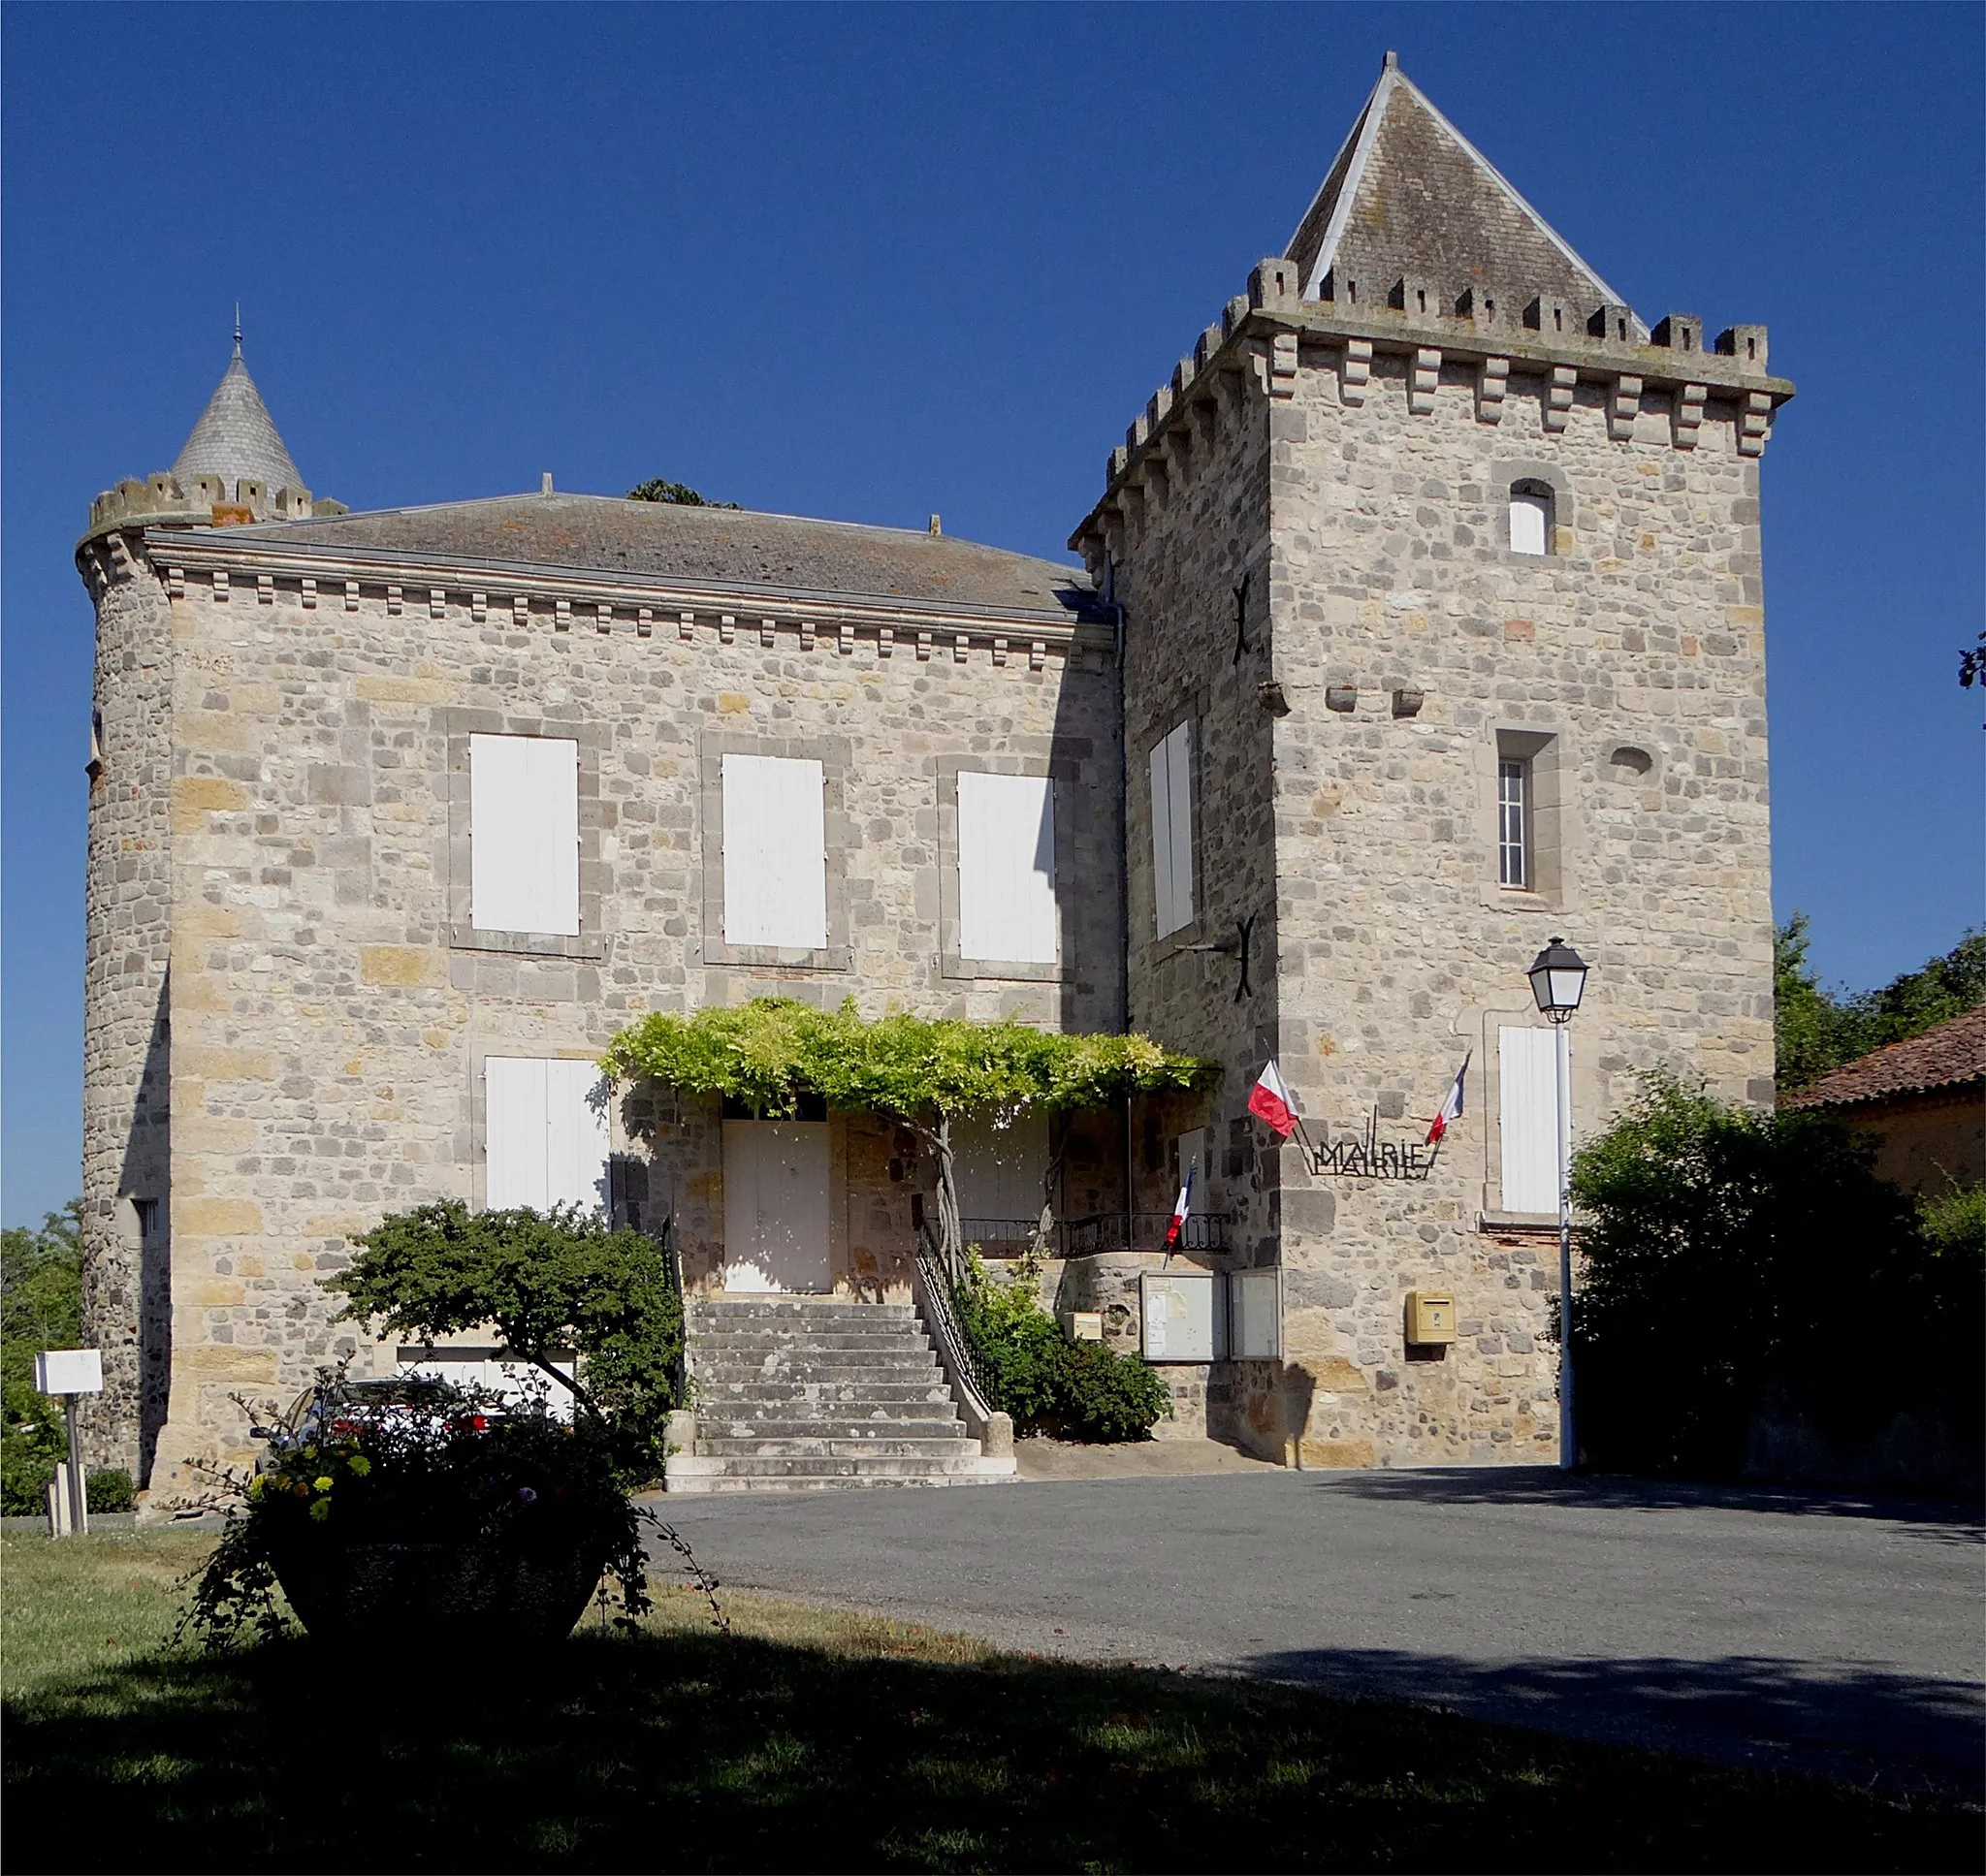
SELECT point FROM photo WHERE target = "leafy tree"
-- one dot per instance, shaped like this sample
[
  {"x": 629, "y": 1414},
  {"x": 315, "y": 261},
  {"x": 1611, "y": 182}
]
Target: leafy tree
[
  {"x": 677, "y": 495},
  {"x": 41, "y": 1307},
  {"x": 1972, "y": 664},
  {"x": 549, "y": 1282},
  {"x": 772, "y": 1052},
  {"x": 1739, "y": 1262},
  {"x": 1817, "y": 1029}
]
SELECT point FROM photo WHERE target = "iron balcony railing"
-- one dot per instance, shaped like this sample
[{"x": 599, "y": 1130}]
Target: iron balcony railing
[{"x": 1085, "y": 1237}]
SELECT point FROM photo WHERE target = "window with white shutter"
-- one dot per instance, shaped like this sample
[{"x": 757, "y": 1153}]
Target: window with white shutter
[
  {"x": 1172, "y": 796},
  {"x": 1007, "y": 869},
  {"x": 1527, "y": 1081},
  {"x": 524, "y": 833},
  {"x": 774, "y": 852},
  {"x": 546, "y": 1138},
  {"x": 1530, "y": 518}
]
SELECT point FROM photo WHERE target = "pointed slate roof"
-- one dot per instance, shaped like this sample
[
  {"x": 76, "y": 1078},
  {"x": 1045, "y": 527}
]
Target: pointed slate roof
[
  {"x": 236, "y": 438},
  {"x": 1409, "y": 196}
]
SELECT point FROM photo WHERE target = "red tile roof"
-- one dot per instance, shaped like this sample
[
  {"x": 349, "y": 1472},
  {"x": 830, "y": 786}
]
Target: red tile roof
[{"x": 1950, "y": 1056}]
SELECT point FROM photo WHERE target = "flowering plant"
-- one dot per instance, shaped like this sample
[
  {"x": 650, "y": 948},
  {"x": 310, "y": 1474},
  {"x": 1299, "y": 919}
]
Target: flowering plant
[{"x": 446, "y": 1473}]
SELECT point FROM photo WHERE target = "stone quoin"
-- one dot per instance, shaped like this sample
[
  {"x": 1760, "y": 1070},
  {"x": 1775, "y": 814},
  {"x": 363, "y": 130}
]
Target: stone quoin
[{"x": 1421, "y": 619}]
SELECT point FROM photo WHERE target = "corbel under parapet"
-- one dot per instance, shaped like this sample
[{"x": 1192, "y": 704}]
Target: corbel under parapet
[
  {"x": 1424, "y": 381},
  {"x": 1492, "y": 381},
  {"x": 1624, "y": 406},
  {"x": 1355, "y": 372},
  {"x": 1559, "y": 392},
  {"x": 1754, "y": 423},
  {"x": 1686, "y": 417}
]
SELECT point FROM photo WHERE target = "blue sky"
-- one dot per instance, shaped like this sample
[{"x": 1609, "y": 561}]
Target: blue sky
[{"x": 876, "y": 264}]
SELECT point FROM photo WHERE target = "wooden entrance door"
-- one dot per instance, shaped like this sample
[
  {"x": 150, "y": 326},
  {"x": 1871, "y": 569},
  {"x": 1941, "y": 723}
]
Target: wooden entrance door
[{"x": 775, "y": 1207}]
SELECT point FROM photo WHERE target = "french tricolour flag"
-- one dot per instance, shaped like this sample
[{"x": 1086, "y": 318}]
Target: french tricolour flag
[
  {"x": 1451, "y": 1108},
  {"x": 1180, "y": 1207},
  {"x": 1269, "y": 1100}
]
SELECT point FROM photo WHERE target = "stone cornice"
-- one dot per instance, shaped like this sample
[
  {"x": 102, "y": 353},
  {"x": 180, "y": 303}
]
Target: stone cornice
[
  {"x": 247, "y": 560},
  {"x": 1263, "y": 334}
]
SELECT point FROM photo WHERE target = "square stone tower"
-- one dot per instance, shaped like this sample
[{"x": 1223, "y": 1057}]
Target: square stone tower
[{"x": 1442, "y": 614}]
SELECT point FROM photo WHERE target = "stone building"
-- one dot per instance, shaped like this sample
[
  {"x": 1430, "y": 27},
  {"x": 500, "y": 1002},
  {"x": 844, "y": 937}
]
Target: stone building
[{"x": 1421, "y": 619}]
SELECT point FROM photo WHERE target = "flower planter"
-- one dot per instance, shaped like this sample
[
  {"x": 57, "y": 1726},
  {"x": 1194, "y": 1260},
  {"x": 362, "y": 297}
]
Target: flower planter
[{"x": 466, "y": 1591}]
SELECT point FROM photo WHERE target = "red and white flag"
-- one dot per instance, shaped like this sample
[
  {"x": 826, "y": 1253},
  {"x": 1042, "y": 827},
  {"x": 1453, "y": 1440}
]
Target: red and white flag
[
  {"x": 1180, "y": 1207},
  {"x": 1269, "y": 1100},
  {"x": 1451, "y": 1108}
]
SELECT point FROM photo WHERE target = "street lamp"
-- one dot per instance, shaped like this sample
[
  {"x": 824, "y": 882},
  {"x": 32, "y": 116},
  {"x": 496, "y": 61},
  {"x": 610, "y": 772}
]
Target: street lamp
[{"x": 1558, "y": 980}]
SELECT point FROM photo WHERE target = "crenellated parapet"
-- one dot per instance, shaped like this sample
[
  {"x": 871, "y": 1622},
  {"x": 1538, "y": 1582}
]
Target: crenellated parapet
[
  {"x": 1512, "y": 344},
  {"x": 161, "y": 500}
]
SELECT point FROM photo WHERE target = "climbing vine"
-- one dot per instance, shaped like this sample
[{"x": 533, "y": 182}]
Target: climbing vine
[{"x": 768, "y": 1053}]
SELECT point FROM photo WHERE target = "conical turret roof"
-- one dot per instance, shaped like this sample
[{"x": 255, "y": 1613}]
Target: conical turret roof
[
  {"x": 1409, "y": 195},
  {"x": 236, "y": 438}
]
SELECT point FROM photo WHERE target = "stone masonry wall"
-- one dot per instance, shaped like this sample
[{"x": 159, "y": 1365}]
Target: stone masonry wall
[
  {"x": 126, "y": 1124},
  {"x": 331, "y": 1012},
  {"x": 1201, "y": 526},
  {"x": 1637, "y": 646}
]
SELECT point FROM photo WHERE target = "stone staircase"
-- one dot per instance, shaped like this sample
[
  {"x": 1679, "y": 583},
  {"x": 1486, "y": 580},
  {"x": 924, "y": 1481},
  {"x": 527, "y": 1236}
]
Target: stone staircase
[{"x": 799, "y": 1394}]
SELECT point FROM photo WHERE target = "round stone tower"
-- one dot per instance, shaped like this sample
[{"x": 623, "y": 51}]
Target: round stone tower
[{"x": 233, "y": 470}]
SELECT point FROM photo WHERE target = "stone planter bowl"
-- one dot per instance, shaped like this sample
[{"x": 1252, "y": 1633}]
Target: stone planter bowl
[{"x": 448, "y": 1593}]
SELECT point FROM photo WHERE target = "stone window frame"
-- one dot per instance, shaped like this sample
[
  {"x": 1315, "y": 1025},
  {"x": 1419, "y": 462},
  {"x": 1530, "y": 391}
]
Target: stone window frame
[
  {"x": 1193, "y": 704},
  {"x": 596, "y": 874},
  {"x": 835, "y": 754},
  {"x": 1506, "y": 472},
  {"x": 1556, "y": 825},
  {"x": 952, "y": 963}
]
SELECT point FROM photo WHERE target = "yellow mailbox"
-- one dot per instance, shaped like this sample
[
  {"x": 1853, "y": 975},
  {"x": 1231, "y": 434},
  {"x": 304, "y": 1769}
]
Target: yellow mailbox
[{"x": 1430, "y": 1316}]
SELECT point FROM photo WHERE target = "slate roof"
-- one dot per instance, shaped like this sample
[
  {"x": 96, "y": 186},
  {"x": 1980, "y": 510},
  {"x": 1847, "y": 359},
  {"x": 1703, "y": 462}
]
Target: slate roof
[
  {"x": 236, "y": 438},
  {"x": 1952, "y": 1056},
  {"x": 1410, "y": 196},
  {"x": 719, "y": 547}
]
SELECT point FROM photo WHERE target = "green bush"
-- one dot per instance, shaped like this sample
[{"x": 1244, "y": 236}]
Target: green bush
[
  {"x": 1739, "y": 1263},
  {"x": 1074, "y": 1390},
  {"x": 109, "y": 1489}
]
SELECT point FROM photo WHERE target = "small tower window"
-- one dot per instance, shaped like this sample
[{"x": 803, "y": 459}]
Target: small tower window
[
  {"x": 1514, "y": 822},
  {"x": 1530, "y": 518}
]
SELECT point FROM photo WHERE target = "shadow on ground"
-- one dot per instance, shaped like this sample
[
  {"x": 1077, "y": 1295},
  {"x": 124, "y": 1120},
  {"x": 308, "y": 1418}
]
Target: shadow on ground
[
  {"x": 698, "y": 1751},
  {"x": 1953, "y": 1520},
  {"x": 1747, "y": 1710}
]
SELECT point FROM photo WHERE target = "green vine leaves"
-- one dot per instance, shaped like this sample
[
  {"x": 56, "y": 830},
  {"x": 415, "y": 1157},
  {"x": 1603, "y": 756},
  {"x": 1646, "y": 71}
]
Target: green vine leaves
[{"x": 767, "y": 1054}]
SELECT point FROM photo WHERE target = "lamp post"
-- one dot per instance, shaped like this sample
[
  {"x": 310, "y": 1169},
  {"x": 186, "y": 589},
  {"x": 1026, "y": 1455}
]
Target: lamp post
[{"x": 1558, "y": 980}]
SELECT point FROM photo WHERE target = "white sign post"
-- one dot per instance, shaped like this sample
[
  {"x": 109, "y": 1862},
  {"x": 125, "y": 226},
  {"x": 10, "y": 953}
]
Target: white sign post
[{"x": 69, "y": 1372}]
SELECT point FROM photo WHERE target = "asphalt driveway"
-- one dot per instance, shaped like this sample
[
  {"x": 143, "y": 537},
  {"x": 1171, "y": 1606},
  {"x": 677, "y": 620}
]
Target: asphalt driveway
[{"x": 1808, "y": 1630}]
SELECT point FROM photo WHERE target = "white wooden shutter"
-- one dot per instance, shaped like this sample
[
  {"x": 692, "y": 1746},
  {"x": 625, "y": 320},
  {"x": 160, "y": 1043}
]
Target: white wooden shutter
[
  {"x": 545, "y": 1144},
  {"x": 513, "y": 1133},
  {"x": 1527, "y": 1083},
  {"x": 524, "y": 833},
  {"x": 1528, "y": 516},
  {"x": 1162, "y": 841},
  {"x": 578, "y": 1138},
  {"x": 1179, "y": 780},
  {"x": 1172, "y": 778},
  {"x": 774, "y": 852},
  {"x": 1006, "y": 867}
]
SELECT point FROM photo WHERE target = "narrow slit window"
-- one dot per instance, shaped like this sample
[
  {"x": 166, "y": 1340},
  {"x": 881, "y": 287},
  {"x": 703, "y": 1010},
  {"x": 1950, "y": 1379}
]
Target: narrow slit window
[
  {"x": 1530, "y": 518},
  {"x": 1514, "y": 823},
  {"x": 1172, "y": 784}
]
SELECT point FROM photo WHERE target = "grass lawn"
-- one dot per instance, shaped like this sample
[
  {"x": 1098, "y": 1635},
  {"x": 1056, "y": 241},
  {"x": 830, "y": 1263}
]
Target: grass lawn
[{"x": 806, "y": 1739}]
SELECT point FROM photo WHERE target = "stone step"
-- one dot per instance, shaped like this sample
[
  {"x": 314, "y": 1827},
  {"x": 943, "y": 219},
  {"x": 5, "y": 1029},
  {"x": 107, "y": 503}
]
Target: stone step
[
  {"x": 837, "y": 1341},
  {"x": 776, "y": 1310},
  {"x": 813, "y": 1447},
  {"x": 700, "y": 1483},
  {"x": 826, "y": 1426},
  {"x": 792, "y": 1388},
  {"x": 804, "y": 1369},
  {"x": 834, "y": 1466}
]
